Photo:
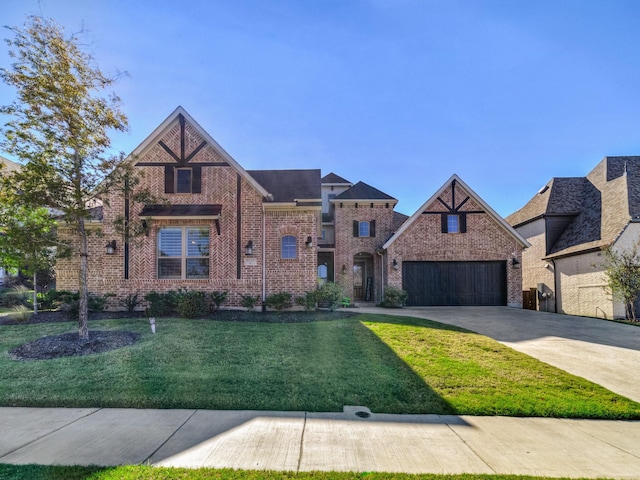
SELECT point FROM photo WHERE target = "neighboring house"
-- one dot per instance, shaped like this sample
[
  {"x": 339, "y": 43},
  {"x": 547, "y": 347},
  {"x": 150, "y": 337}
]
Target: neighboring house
[
  {"x": 259, "y": 232},
  {"x": 6, "y": 166},
  {"x": 568, "y": 222}
]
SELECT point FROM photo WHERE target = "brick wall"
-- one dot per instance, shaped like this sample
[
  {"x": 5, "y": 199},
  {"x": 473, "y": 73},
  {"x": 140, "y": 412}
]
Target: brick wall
[
  {"x": 347, "y": 246},
  {"x": 484, "y": 240},
  {"x": 219, "y": 186}
]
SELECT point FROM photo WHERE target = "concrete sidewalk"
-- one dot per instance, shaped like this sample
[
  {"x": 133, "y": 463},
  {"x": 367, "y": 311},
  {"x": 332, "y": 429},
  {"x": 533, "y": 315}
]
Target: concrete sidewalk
[{"x": 302, "y": 441}]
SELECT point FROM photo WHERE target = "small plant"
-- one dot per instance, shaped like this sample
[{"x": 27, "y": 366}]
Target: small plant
[
  {"x": 192, "y": 304},
  {"x": 279, "y": 301},
  {"x": 308, "y": 301},
  {"x": 97, "y": 303},
  {"x": 161, "y": 304},
  {"x": 330, "y": 295},
  {"x": 130, "y": 302},
  {"x": 249, "y": 301},
  {"x": 218, "y": 298},
  {"x": 20, "y": 313},
  {"x": 394, "y": 297}
]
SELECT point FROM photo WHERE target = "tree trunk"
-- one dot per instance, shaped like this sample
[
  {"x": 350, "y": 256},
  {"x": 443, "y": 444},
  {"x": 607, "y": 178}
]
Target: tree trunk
[
  {"x": 83, "y": 310},
  {"x": 35, "y": 293}
]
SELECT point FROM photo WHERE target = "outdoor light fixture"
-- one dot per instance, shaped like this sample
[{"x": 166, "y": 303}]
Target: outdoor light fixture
[
  {"x": 309, "y": 242},
  {"x": 515, "y": 263},
  {"x": 344, "y": 269},
  {"x": 249, "y": 248},
  {"x": 110, "y": 247},
  {"x": 395, "y": 264}
]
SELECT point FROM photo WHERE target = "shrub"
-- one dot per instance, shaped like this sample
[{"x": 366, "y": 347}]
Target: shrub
[
  {"x": 97, "y": 303},
  {"x": 130, "y": 302},
  {"x": 20, "y": 313},
  {"x": 161, "y": 304},
  {"x": 218, "y": 298},
  {"x": 249, "y": 301},
  {"x": 18, "y": 295},
  {"x": 192, "y": 304},
  {"x": 308, "y": 301},
  {"x": 279, "y": 301},
  {"x": 394, "y": 297},
  {"x": 330, "y": 295}
]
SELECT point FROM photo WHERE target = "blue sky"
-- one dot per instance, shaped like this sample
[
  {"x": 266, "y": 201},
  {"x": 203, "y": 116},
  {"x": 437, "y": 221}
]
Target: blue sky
[{"x": 400, "y": 94}]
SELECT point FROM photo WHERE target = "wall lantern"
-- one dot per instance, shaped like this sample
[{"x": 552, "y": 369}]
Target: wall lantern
[
  {"x": 110, "y": 247},
  {"x": 249, "y": 248},
  {"x": 395, "y": 264},
  {"x": 344, "y": 269},
  {"x": 309, "y": 242},
  {"x": 515, "y": 263}
]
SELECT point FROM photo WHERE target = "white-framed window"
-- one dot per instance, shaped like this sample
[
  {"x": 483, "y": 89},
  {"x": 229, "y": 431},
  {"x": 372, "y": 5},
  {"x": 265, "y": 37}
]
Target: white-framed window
[
  {"x": 183, "y": 253},
  {"x": 453, "y": 224},
  {"x": 363, "y": 229},
  {"x": 288, "y": 248}
]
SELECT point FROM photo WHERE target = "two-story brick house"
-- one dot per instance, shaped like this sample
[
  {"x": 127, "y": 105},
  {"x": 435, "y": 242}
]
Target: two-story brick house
[{"x": 258, "y": 232}]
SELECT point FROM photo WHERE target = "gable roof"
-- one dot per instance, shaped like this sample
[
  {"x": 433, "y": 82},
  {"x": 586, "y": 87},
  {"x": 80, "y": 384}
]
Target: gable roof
[
  {"x": 168, "y": 123},
  {"x": 334, "y": 179},
  {"x": 473, "y": 195},
  {"x": 362, "y": 191},
  {"x": 596, "y": 208},
  {"x": 287, "y": 186}
]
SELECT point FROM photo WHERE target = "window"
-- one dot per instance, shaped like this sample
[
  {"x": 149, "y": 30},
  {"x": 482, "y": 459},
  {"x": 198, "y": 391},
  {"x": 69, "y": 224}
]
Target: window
[
  {"x": 288, "y": 247},
  {"x": 454, "y": 223},
  {"x": 183, "y": 180},
  {"x": 183, "y": 252},
  {"x": 364, "y": 229}
]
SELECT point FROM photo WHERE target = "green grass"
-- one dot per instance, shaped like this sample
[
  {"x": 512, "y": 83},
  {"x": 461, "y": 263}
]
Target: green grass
[
  {"x": 37, "y": 472},
  {"x": 389, "y": 364}
]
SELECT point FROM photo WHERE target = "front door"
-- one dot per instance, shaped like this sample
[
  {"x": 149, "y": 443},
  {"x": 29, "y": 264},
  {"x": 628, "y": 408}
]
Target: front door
[{"x": 359, "y": 269}]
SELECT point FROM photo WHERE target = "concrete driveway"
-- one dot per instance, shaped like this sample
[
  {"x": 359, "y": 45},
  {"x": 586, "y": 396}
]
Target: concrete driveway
[{"x": 607, "y": 353}]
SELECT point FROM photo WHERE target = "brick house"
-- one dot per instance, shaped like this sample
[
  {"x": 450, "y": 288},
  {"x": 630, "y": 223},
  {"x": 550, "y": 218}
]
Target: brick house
[
  {"x": 567, "y": 223},
  {"x": 258, "y": 232}
]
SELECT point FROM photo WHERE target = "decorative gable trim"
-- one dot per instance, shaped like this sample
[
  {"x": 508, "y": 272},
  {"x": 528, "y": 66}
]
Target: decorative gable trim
[
  {"x": 454, "y": 208},
  {"x": 182, "y": 158}
]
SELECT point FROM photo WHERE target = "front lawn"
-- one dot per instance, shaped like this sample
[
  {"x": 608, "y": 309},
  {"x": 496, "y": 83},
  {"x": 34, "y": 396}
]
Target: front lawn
[
  {"x": 389, "y": 364},
  {"x": 37, "y": 472}
]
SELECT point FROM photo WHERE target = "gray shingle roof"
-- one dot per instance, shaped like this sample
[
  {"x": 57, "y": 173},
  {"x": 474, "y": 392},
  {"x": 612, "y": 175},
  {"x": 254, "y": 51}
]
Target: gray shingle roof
[
  {"x": 333, "y": 178},
  {"x": 362, "y": 191},
  {"x": 289, "y": 185},
  {"x": 597, "y": 207}
]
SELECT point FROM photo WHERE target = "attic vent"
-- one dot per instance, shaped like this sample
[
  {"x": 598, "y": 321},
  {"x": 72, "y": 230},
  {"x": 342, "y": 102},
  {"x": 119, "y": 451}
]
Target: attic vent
[{"x": 543, "y": 189}]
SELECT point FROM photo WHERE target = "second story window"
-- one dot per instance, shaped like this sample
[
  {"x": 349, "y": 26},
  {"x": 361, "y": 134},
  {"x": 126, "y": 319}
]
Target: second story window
[
  {"x": 454, "y": 223},
  {"x": 364, "y": 229},
  {"x": 183, "y": 180}
]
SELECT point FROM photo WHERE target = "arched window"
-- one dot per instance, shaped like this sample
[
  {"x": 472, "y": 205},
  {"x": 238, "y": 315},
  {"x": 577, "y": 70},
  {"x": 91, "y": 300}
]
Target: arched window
[{"x": 288, "y": 247}]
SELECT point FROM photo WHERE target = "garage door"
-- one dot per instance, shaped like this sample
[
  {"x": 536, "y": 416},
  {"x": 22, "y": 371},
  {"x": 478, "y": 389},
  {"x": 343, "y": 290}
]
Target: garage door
[{"x": 455, "y": 283}]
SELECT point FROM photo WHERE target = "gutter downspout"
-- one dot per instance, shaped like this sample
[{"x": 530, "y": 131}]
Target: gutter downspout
[
  {"x": 555, "y": 287},
  {"x": 264, "y": 261},
  {"x": 381, "y": 253}
]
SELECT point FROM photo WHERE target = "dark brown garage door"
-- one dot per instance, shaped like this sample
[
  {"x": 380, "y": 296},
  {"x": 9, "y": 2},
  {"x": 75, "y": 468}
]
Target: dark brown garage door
[{"x": 455, "y": 283}]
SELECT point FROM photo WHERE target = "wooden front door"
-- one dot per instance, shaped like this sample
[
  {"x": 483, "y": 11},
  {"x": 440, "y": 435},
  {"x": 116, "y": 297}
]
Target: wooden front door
[{"x": 358, "y": 280}]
